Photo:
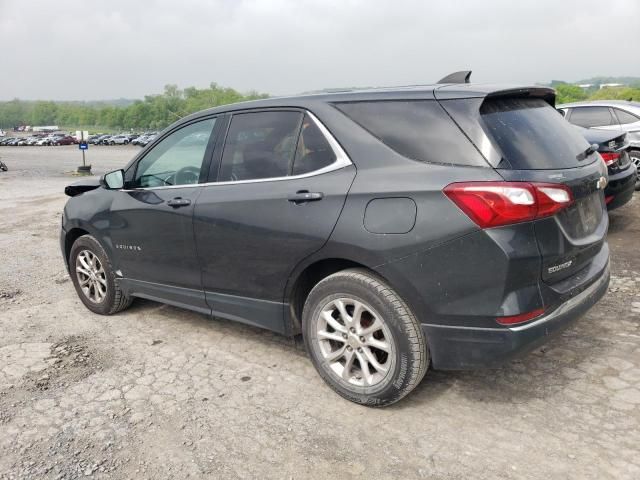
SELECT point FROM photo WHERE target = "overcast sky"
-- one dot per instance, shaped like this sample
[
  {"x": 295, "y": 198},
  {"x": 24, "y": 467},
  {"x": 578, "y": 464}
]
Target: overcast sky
[{"x": 84, "y": 50}]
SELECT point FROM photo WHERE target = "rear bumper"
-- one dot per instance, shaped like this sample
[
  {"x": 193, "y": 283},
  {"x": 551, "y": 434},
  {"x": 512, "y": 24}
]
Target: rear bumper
[
  {"x": 455, "y": 348},
  {"x": 620, "y": 187}
]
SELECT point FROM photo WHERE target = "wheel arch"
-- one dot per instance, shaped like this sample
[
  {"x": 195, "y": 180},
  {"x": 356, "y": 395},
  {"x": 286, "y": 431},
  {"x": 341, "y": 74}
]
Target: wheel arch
[
  {"x": 70, "y": 238},
  {"x": 301, "y": 285}
]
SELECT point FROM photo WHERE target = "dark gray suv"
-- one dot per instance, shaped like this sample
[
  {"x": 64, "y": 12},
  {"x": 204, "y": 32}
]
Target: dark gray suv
[{"x": 452, "y": 225}]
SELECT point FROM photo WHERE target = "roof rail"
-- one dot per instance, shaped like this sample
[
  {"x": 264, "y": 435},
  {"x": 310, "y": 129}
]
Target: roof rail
[{"x": 462, "y": 76}]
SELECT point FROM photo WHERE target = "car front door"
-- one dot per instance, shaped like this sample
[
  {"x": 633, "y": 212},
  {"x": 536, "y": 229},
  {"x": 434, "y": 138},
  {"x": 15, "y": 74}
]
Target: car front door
[
  {"x": 281, "y": 185},
  {"x": 151, "y": 221}
]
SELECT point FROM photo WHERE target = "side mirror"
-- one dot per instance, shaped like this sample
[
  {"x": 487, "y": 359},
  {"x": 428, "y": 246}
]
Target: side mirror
[{"x": 113, "y": 180}]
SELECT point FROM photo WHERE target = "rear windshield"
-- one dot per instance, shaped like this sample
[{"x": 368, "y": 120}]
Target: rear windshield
[
  {"x": 417, "y": 129},
  {"x": 532, "y": 135}
]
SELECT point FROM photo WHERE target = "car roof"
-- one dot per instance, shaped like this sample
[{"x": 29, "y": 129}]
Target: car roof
[
  {"x": 415, "y": 92},
  {"x": 602, "y": 103}
]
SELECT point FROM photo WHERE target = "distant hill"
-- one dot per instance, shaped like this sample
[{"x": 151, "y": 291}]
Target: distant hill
[
  {"x": 116, "y": 102},
  {"x": 631, "y": 81}
]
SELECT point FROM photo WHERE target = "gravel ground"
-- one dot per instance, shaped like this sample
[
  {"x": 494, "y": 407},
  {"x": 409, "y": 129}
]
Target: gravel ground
[{"x": 157, "y": 392}]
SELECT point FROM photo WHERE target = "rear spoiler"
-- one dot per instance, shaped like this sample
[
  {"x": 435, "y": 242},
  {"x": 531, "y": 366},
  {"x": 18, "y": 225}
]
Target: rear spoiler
[
  {"x": 545, "y": 93},
  {"x": 454, "y": 91}
]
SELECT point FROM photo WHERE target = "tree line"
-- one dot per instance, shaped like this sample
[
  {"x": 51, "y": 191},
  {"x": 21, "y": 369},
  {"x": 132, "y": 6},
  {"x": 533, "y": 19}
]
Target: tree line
[
  {"x": 157, "y": 111},
  {"x": 154, "y": 112},
  {"x": 567, "y": 93}
]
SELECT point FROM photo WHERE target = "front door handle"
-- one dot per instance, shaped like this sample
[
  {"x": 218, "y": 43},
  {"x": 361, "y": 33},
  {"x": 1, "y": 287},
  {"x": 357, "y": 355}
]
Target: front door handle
[
  {"x": 179, "y": 202},
  {"x": 303, "y": 196}
]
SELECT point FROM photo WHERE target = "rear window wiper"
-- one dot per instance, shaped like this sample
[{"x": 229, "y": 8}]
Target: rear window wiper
[{"x": 592, "y": 149}]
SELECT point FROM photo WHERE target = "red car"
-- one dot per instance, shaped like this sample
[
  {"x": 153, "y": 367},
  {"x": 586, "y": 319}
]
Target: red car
[{"x": 64, "y": 140}]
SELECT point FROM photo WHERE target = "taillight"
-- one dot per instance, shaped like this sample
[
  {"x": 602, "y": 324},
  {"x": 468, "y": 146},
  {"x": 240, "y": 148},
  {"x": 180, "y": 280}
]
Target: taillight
[
  {"x": 610, "y": 158},
  {"x": 491, "y": 204}
]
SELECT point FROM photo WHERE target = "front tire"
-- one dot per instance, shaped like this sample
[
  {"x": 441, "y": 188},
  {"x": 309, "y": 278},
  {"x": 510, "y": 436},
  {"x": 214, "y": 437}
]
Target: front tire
[
  {"x": 94, "y": 279},
  {"x": 362, "y": 338}
]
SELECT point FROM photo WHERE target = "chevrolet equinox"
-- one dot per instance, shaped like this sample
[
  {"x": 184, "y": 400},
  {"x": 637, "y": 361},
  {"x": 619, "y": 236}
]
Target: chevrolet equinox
[{"x": 453, "y": 225}]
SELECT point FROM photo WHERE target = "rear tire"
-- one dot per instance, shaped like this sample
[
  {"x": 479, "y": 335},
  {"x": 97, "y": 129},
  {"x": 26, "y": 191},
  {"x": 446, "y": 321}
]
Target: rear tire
[
  {"x": 94, "y": 279},
  {"x": 363, "y": 339}
]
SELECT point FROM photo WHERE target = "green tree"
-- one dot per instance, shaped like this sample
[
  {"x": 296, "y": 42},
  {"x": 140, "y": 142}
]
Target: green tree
[
  {"x": 569, "y": 93},
  {"x": 153, "y": 112}
]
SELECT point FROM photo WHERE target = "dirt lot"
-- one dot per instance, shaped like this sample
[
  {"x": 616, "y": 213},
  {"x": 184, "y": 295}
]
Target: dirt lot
[{"x": 156, "y": 392}]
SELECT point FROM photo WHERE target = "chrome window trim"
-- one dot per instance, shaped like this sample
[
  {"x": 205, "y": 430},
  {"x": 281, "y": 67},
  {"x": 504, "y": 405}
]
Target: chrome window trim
[{"x": 342, "y": 160}]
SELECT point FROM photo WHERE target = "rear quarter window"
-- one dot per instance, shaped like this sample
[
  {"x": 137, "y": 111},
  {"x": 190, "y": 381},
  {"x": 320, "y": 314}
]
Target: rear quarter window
[
  {"x": 418, "y": 129},
  {"x": 625, "y": 117}
]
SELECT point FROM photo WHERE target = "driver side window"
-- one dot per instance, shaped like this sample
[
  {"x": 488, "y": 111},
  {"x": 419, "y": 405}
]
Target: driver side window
[{"x": 177, "y": 159}]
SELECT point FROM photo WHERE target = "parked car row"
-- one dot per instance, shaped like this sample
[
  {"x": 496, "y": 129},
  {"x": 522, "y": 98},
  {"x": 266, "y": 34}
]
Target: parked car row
[
  {"x": 64, "y": 139},
  {"x": 123, "y": 139},
  {"x": 39, "y": 140}
]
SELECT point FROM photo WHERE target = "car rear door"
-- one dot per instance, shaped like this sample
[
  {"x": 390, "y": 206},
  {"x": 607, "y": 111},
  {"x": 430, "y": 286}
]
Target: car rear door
[
  {"x": 281, "y": 185},
  {"x": 527, "y": 141}
]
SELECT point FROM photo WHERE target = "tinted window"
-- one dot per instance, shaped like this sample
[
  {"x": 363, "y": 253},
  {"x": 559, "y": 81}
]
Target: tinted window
[
  {"x": 531, "y": 134},
  {"x": 260, "y": 145},
  {"x": 418, "y": 129},
  {"x": 313, "y": 151},
  {"x": 591, "y": 117},
  {"x": 177, "y": 159},
  {"x": 625, "y": 117}
]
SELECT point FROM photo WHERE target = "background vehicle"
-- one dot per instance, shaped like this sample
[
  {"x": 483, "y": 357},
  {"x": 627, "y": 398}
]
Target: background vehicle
[
  {"x": 117, "y": 140},
  {"x": 65, "y": 140},
  {"x": 614, "y": 115},
  {"x": 143, "y": 140},
  {"x": 98, "y": 140},
  {"x": 42, "y": 141},
  {"x": 613, "y": 148},
  {"x": 460, "y": 244}
]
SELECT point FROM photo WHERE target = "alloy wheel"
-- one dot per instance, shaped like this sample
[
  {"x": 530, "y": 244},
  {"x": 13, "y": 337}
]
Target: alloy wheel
[
  {"x": 355, "y": 342},
  {"x": 92, "y": 278}
]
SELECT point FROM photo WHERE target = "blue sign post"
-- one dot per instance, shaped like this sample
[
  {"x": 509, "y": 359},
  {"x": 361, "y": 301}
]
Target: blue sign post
[{"x": 83, "y": 145}]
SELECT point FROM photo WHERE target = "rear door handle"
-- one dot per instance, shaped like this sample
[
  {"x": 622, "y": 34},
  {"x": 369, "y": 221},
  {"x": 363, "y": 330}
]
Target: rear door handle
[
  {"x": 179, "y": 202},
  {"x": 303, "y": 196}
]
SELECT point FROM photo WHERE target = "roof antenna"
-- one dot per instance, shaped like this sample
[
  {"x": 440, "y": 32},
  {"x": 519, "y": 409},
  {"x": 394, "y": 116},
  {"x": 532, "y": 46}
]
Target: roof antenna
[{"x": 462, "y": 76}]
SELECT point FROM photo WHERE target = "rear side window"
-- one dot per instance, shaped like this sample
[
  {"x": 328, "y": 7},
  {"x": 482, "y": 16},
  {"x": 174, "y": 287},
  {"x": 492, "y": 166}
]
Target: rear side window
[
  {"x": 625, "y": 117},
  {"x": 260, "y": 145},
  {"x": 588, "y": 117},
  {"x": 313, "y": 151},
  {"x": 531, "y": 135},
  {"x": 417, "y": 129}
]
